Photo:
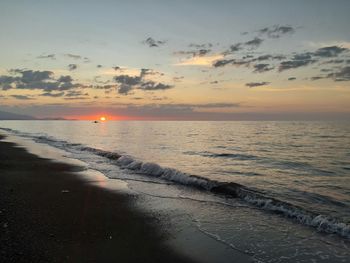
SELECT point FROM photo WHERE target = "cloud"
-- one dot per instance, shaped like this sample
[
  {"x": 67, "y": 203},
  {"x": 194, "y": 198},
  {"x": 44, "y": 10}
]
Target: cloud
[
  {"x": 317, "y": 78},
  {"x": 129, "y": 83},
  {"x": 254, "y": 43},
  {"x": 233, "y": 48},
  {"x": 128, "y": 80},
  {"x": 236, "y": 62},
  {"x": 99, "y": 66},
  {"x": 194, "y": 53},
  {"x": 151, "y": 85},
  {"x": 307, "y": 58},
  {"x": 116, "y": 68},
  {"x": 277, "y": 31},
  {"x": 54, "y": 95},
  {"x": 247, "y": 60},
  {"x": 298, "y": 60},
  {"x": 35, "y": 79},
  {"x": 341, "y": 75},
  {"x": 205, "y": 61},
  {"x": 50, "y": 56},
  {"x": 256, "y": 84},
  {"x": 125, "y": 89},
  {"x": 22, "y": 97},
  {"x": 153, "y": 43},
  {"x": 76, "y": 93},
  {"x": 268, "y": 57},
  {"x": 6, "y": 82},
  {"x": 334, "y": 61},
  {"x": 29, "y": 76},
  {"x": 146, "y": 71},
  {"x": 329, "y": 52},
  {"x": 327, "y": 44},
  {"x": 292, "y": 78},
  {"x": 260, "y": 68},
  {"x": 200, "y": 46},
  {"x": 72, "y": 67}
]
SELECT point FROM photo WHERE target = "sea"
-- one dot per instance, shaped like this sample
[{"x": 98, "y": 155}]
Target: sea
[{"x": 278, "y": 191}]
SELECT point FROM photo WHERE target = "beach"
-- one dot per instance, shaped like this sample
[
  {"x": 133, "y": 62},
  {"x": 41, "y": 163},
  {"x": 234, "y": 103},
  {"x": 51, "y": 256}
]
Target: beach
[
  {"x": 55, "y": 211},
  {"x": 48, "y": 214},
  {"x": 80, "y": 192}
]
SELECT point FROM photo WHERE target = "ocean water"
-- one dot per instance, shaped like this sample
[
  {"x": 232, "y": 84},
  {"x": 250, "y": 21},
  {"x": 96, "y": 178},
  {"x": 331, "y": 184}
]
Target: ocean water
[{"x": 293, "y": 175}]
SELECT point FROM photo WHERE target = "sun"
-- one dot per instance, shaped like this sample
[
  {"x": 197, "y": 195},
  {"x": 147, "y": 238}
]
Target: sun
[{"x": 103, "y": 118}]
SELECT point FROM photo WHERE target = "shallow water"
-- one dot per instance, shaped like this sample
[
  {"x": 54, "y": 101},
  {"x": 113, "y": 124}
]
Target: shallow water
[{"x": 302, "y": 164}]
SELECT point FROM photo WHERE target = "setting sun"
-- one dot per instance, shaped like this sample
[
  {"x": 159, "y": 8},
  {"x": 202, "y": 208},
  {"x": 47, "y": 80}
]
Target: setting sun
[{"x": 102, "y": 118}]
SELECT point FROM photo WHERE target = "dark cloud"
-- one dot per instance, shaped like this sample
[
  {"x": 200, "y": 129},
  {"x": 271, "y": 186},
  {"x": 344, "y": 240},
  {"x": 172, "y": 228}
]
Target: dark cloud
[
  {"x": 72, "y": 67},
  {"x": 247, "y": 60},
  {"x": 105, "y": 86},
  {"x": 317, "y": 78},
  {"x": 233, "y": 48},
  {"x": 125, "y": 89},
  {"x": 297, "y": 61},
  {"x": 76, "y": 93},
  {"x": 99, "y": 66},
  {"x": 129, "y": 83},
  {"x": 292, "y": 78},
  {"x": 224, "y": 62},
  {"x": 54, "y": 95},
  {"x": 214, "y": 82},
  {"x": 146, "y": 71},
  {"x": 277, "y": 31},
  {"x": 334, "y": 61},
  {"x": 29, "y": 76},
  {"x": 201, "y": 46},
  {"x": 6, "y": 82},
  {"x": 254, "y": 43},
  {"x": 34, "y": 79},
  {"x": 22, "y": 97},
  {"x": 307, "y": 58},
  {"x": 128, "y": 80},
  {"x": 328, "y": 52},
  {"x": 341, "y": 75},
  {"x": 260, "y": 68},
  {"x": 65, "y": 79},
  {"x": 268, "y": 57},
  {"x": 256, "y": 84},
  {"x": 50, "y": 56},
  {"x": 153, "y": 43},
  {"x": 151, "y": 85},
  {"x": 193, "y": 53},
  {"x": 116, "y": 68}
]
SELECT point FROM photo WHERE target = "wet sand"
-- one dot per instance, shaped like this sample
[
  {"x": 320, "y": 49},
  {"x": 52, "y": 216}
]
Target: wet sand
[{"x": 49, "y": 214}]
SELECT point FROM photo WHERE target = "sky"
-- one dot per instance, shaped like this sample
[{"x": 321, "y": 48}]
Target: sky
[{"x": 176, "y": 60}]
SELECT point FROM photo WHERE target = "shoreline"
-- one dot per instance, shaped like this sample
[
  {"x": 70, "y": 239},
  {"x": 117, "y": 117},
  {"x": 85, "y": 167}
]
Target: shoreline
[{"x": 49, "y": 214}]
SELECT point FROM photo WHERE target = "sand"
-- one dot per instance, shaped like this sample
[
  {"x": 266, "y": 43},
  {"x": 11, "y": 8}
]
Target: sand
[{"x": 49, "y": 214}]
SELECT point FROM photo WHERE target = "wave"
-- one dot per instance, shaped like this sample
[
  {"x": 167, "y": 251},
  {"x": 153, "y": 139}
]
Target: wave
[
  {"x": 234, "y": 190},
  {"x": 235, "y": 156}
]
